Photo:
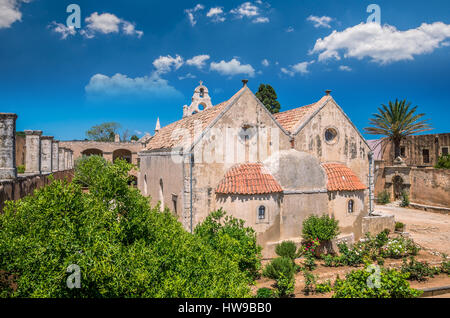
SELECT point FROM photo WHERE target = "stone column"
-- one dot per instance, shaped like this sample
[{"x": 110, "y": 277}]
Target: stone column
[
  {"x": 61, "y": 159},
  {"x": 71, "y": 160},
  {"x": 66, "y": 159},
  {"x": 33, "y": 152},
  {"x": 8, "y": 168},
  {"x": 55, "y": 155},
  {"x": 46, "y": 154}
]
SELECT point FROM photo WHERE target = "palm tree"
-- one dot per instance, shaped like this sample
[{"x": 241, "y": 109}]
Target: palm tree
[{"x": 397, "y": 122}]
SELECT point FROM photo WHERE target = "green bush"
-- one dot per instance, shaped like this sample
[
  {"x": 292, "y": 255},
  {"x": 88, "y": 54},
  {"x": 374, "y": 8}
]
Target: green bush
[
  {"x": 419, "y": 271},
  {"x": 324, "y": 288},
  {"x": 405, "y": 199},
  {"x": 350, "y": 256},
  {"x": 21, "y": 169},
  {"x": 264, "y": 293},
  {"x": 322, "y": 228},
  {"x": 286, "y": 249},
  {"x": 392, "y": 284},
  {"x": 285, "y": 285},
  {"x": 445, "y": 265},
  {"x": 310, "y": 282},
  {"x": 278, "y": 266},
  {"x": 399, "y": 226},
  {"x": 443, "y": 162},
  {"x": 383, "y": 197},
  {"x": 123, "y": 247},
  {"x": 230, "y": 237}
]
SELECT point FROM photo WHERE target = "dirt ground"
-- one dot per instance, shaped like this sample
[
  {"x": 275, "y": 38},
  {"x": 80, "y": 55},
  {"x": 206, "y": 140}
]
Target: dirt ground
[{"x": 428, "y": 229}]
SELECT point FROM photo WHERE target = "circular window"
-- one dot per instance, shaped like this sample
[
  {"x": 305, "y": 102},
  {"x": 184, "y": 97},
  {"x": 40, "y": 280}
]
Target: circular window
[{"x": 330, "y": 135}]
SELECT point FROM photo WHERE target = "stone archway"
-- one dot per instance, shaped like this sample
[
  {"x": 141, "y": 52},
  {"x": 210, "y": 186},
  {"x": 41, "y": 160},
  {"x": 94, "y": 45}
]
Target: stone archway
[
  {"x": 92, "y": 152},
  {"x": 122, "y": 154},
  {"x": 397, "y": 182}
]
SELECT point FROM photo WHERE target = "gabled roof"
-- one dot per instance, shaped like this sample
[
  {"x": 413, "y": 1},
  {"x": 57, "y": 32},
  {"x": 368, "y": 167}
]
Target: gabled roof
[
  {"x": 293, "y": 118},
  {"x": 248, "y": 179},
  {"x": 342, "y": 178},
  {"x": 167, "y": 138}
]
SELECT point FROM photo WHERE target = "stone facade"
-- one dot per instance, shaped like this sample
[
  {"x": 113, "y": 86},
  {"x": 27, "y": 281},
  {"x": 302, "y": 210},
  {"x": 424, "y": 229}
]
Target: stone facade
[
  {"x": 8, "y": 146},
  {"x": 55, "y": 155},
  {"x": 184, "y": 163},
  {"x": 46, "y": 154}
]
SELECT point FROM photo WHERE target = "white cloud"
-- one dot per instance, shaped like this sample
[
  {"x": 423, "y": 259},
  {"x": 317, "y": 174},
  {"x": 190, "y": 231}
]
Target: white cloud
[
  {"x": 165, "y": 64},
  {"x": 216, "y": 14},
  {"x": 320, "y": 21},
  {"x": 62, "y": 29},
  {"x": 106, "y": 23},
  {"x": 345, "y": 68},
  {"x": 265, "y": 62},
  {"x": 10, "y": 12},
  {"x": 290, "y": 29},
  {"x": 190, "y": 13},
  {"x": 383, "y": 44},
  {"x": 198, "y": 61},
  {"x": 188, "y": 75},
  {"x": 119, "y": 85},
  {"x": 261, "y": 20},
  {"x": 301, "y": 68},
  {"x": 246, "y": 10},
  {"x": 232, "y": 67}
]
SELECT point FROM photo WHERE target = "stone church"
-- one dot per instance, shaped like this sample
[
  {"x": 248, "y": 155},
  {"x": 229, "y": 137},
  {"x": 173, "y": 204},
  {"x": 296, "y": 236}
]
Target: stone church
[{"x": 270, "y": 170}]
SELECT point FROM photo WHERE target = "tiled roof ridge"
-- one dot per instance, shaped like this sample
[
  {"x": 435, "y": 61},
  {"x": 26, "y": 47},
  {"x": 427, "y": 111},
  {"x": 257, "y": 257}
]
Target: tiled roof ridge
[
  {"x": 248, "y": 179},
  {"x": 341, "y": 178}
]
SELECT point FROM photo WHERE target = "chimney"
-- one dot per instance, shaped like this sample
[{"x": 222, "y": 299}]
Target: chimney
[
  {"x": 327, "y": 92},
  {"x": 244, "y": 82}
]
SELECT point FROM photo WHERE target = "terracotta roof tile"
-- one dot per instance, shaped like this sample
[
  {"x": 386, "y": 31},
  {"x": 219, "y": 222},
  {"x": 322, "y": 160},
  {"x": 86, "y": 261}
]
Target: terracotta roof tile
[
  {"x": 168, "y": 138},
  {"x": 248, "y": 178},
  {"x": 342, "y": 178},
  {"x": 291, "y": 119}
]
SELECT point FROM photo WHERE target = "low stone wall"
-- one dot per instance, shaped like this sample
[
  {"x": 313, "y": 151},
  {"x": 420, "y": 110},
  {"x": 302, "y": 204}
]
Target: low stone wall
[
  {"x": 377, "y": 223},
  {"x": 430, "y": 187},
  {"x": 25, "y": 185}
]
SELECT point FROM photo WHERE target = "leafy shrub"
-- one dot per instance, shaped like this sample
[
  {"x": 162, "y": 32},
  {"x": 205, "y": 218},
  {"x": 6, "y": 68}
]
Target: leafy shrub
[
  {"x": 21, "y": 169},
  {"x": 279, "y": 265},
  {"x": 443, "y": 162},
  {"x": 124, "y": 248},
  {"x": 310, "y": 281},
  {"x": 419, "y": 271},
  {"x": 383, "y": 197},
  {"x": 445, "y": 265},
  {"x": 287, "y": 249},
  {"x": 322, "y": 228},
  {"x": 323, "y": 288},
  {"x": 264, "y": 293},
  {"x": 230, "y": 237},
  {"x": 393, "y": 284},
  {"x": 395, "y": 248},
  {"x": 285, "y": 285},
  {"x": 405, "y": 199},
  {"x": 332, "y": 261},
  {"x": 399, "y": 226},
  {"x": 350, "y": 256}
]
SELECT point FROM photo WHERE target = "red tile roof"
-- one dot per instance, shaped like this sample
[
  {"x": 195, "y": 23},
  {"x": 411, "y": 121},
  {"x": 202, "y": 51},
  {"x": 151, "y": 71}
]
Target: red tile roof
[
  {"x": 248, "y": 178},
  {"x": 291, "y": 119},
  {"x": 168, "y": 138},
  {"x": 342, "y": 178}
]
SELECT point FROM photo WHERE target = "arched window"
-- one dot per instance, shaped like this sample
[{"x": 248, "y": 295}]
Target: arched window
[
  {"x": 145, "y": 185},
  {"x": 202, "y": 92},
  {"x": 350, "y": 206},
  {"x": 262, "y": 212}
]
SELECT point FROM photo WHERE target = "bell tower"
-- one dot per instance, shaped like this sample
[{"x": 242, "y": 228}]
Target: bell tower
[{"x": 200, "y": 101}]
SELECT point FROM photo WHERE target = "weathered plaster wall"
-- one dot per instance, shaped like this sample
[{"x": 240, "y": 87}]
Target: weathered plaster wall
[
  {"x": 20, "y": 150},
  {"x": 25, "y": 185},
  {"x": 348, "y": 147},
  {"x": 430, "y": 187},
  {"x": 155, "y": 168}
]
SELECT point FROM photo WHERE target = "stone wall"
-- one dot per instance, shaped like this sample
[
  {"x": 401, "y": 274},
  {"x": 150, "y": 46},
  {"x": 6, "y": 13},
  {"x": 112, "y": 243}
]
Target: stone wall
[
  {"x": 430, "y": 187},
  {"x": 26, "y": 184},
  {"x": 20, "y": 150}
]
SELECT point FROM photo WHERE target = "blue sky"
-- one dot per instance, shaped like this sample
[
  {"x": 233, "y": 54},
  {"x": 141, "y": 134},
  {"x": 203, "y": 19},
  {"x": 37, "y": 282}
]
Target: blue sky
[{"x": 134, "y": 61}]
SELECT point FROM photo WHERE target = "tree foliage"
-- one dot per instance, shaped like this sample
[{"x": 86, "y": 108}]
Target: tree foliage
[
  {"x": 443, "y": 162},
  {"x": 267, "y": 95},
  {"x": 103, "y": 132},
  {"x": 230, "y": 237},
  {"x": 124, "y": 248},
  {"x": 322, "y": 228},
  {"x": 397, "y": 121}
]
